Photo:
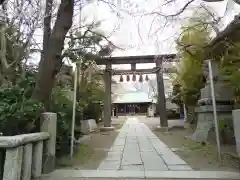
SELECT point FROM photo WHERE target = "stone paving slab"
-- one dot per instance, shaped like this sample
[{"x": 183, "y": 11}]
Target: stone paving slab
[
  {"x": 179, "y": 168},
  {"x": 138, "y": 148},
  {"x": 114, "y": 156},
  {"x": 172, "y": 159},
  {"x": 110, "y": 165},
  {"x": 152, "y": 161},
  {"x": 64, "y": 174},
  {"x": 133, "y": 167},
  {"x": 214, "y": 175}
]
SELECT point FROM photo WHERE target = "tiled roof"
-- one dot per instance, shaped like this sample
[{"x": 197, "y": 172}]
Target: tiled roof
[{"x": 133, "y": 97}]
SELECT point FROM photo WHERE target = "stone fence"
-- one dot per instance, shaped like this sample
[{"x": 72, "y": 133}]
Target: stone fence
[{"x": 28, "y": 156}]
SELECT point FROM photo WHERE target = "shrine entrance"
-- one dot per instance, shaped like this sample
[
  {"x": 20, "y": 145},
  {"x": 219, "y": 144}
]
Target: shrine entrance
[{"x": 133, "y": 60}]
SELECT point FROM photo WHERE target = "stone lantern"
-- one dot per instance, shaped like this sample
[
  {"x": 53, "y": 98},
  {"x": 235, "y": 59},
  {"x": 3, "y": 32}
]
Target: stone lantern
[{"x": 224, "y": 101}]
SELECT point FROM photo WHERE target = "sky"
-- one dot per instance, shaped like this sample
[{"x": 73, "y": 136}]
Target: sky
[
  {"x": 132, "y": 30},
  {"x": 133, "y": 33}
]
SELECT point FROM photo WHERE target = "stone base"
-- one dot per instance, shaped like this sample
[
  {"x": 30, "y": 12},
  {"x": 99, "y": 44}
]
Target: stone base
[
  {"x": 164, "y": 129},
  {"x": 187, "y": 125},
  {"x": 205, "y": 121},
  {"x": 105, "y": 129},
  {"x": 88, "y": 126},
  {"x": 236, "y": 123},
  {"x": 83, "y": 140},
  {"x": 49, "y": 163}
]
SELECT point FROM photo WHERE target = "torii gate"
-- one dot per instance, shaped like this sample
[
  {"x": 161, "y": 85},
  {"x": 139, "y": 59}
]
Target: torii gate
[{"x": 133, "y": 60}]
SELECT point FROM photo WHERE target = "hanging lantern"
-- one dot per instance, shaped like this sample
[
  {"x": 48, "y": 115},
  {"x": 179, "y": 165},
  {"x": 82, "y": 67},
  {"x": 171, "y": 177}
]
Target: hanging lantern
[
  {"x": 140, "y": 78},
  {"x": 134, "y": 77},
  {"x": 146, "y": 78},
  {"x": 121, "y": 78},
  {"x": 128, "y": 78}
]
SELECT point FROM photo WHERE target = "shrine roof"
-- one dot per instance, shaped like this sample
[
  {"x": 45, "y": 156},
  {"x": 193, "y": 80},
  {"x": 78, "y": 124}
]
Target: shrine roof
[{"x": 133, "y": 97}]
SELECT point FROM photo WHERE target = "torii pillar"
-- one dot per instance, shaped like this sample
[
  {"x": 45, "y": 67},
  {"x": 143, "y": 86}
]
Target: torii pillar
[
  {"x": 161, "y": 100},
  {"x": 107, "y": 99}
]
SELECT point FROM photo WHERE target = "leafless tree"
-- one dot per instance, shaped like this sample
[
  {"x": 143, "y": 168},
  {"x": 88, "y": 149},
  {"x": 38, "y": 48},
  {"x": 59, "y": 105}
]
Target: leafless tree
[
  {"x": 53, "y": 45},
  {"x": 182, "y": 14},
  {"x": 19, "y": 21}
]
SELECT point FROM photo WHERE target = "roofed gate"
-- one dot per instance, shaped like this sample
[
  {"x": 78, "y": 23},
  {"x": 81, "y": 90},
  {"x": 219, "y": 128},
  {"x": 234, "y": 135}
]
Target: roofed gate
[{"x": 133, "y": 60}]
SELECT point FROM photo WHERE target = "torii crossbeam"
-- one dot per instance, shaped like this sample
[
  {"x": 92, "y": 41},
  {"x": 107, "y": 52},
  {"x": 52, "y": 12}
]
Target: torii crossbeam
[{"x": 133, "y": 60}]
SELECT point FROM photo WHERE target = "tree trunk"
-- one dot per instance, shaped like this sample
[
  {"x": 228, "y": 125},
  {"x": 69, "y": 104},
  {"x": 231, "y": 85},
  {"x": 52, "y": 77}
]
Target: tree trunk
[
  {"x": 191, "y": 115},
  {"x": 47, "y": 26},
  {"x": 161, "y": 95},
  {"x": 51, "y": 62}
]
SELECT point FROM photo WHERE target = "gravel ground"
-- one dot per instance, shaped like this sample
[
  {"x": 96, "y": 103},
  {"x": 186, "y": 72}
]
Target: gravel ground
[
  {"x": 91, "y": 154},
  {"x": 198, "y": 156}
]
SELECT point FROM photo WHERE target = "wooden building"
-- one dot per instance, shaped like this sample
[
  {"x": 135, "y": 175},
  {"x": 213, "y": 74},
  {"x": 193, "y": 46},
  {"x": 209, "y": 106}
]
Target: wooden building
[{"x": 132, "y": 103}]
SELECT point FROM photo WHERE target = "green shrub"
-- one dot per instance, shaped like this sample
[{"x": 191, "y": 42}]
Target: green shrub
[
  {"x": 172, "y": 114},
  {"x": 92, "y": 111},
  {"x": 20, "y": 113}
]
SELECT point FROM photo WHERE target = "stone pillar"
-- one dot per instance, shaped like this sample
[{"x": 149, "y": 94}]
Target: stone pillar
[
  {"x": 133, "y": 67},
  {"x": 161, "y": 100},
  {"x": 236, "y": 125},
  {"x": 113, "y": 115},
  {"x": 185, "y": 113},
  {"x": 48, "y": 122},
  {"x": 107, "y": 100}
]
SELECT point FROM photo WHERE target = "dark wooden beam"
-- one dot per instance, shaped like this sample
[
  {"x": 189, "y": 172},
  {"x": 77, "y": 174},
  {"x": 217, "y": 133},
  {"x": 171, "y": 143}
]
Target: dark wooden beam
[
  {"x": 142, "y": 71},
  {"x": 133, "y": 67},
  {"x": 161, "y": 99},
  {"x": 1, "y": 2},
  {"x": 107, "y": 99},
  {"x": 136, "y": 59}
]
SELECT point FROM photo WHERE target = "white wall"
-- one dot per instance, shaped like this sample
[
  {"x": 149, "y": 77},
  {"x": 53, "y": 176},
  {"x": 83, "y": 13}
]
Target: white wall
[{"x": 169, "y": 105}]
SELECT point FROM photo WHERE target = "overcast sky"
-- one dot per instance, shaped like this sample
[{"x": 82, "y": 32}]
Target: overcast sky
[
  {"x": 132, "y": 30},
  {"x": 134, "y": 34}
]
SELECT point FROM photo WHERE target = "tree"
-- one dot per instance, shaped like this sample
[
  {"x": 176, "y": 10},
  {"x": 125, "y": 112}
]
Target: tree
[
  {"x": 51, "y": 62},
  {"x": 230, "y": 65},
  {"x": 230, "y": 33},
  {"x": 53, "y": 45},
  {"x": 16, "y": 42},
  {"x": 194, "y": 37}
]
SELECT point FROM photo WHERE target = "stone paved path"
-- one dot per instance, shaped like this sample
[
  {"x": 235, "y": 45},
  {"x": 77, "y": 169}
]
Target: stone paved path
[
  {"x": 137, "y": 154},
  {"x": 137, "y": 148}
]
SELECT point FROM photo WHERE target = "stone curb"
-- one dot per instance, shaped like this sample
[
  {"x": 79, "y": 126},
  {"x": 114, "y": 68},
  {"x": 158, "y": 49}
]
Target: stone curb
[{"x": 159, "y": 175}]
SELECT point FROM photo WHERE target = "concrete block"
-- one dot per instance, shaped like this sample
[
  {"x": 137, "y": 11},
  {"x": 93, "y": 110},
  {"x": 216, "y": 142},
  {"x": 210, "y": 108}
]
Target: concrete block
[{"x": 88, "y": 126}]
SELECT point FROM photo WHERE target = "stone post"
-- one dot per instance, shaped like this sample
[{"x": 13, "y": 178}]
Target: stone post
[
  {"x": 113, "y": 115},
  {"x": 236, "y": 125},
  {"x": 107, "y": 99},
  {"x": 161, "y": 100},
  {"x": 48, "y": 122}
]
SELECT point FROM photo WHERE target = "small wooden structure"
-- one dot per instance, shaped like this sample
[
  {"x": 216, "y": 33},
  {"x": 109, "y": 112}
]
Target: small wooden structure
[
  {"x": 131, "y": 103},
  {"x": 124, "y": 109},
  {"x": 133, "y": 60}
]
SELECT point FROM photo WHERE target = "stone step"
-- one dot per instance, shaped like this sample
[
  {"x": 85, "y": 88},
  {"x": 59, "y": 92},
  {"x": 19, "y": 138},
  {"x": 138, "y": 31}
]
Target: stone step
[{"x": 64, "y": 174}]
